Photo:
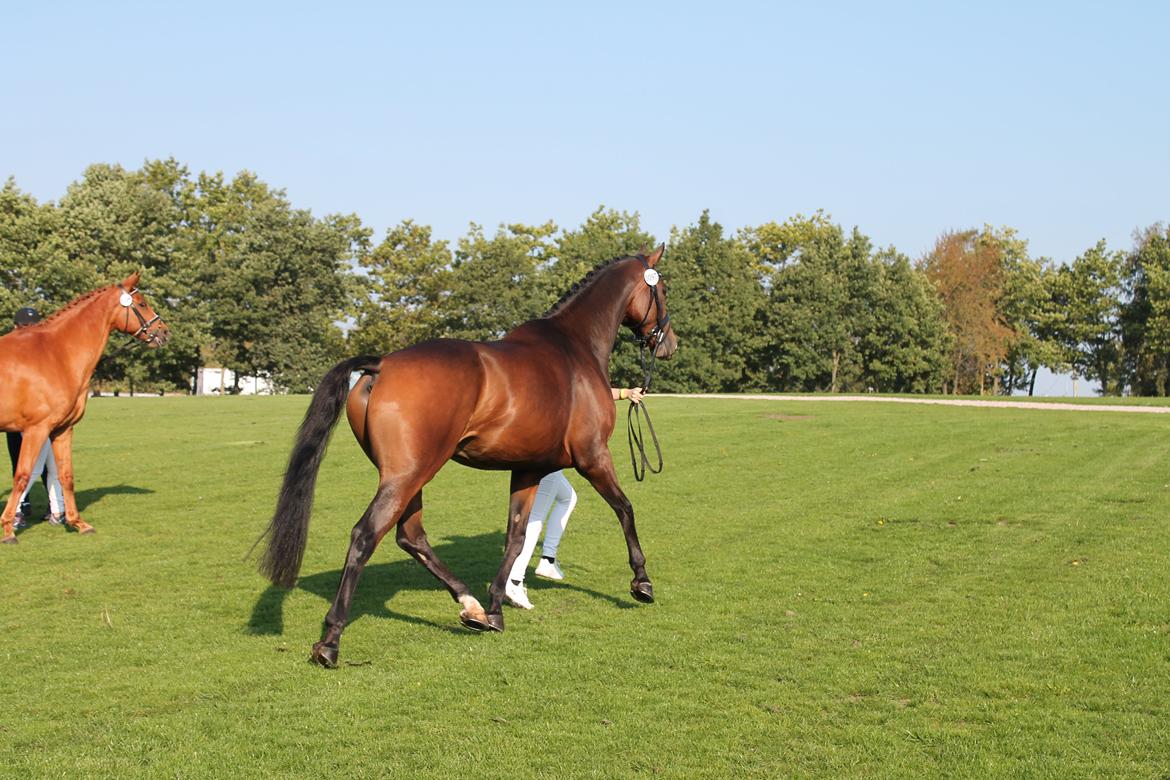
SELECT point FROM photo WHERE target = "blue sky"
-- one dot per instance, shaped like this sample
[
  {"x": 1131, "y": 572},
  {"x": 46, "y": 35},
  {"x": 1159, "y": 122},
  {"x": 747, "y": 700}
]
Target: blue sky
[{"x": 905, "y": 119}]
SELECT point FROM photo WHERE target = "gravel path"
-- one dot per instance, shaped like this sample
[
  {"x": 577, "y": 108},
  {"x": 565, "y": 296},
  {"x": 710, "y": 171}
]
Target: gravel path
[{"x": 1052, "y": 407}]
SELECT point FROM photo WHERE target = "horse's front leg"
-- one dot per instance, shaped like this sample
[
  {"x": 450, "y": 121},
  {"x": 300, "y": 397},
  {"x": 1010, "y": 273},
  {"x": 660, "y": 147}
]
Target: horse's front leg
[
  {"x": 523, "y": 489},
  {"x": 601, "y": 475},
  {"x": 63, "y": 454},
  {"x": 30, "y": 447}
]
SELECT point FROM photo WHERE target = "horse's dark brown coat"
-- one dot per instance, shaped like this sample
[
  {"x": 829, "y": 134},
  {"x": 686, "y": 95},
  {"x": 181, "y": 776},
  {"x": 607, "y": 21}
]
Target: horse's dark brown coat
[{"x": 536, "y": 401}]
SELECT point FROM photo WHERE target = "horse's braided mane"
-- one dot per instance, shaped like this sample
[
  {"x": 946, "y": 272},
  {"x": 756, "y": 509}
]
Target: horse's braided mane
[
  {"x": 585, "y": 281},
  {"x": 72, "y": 305}
]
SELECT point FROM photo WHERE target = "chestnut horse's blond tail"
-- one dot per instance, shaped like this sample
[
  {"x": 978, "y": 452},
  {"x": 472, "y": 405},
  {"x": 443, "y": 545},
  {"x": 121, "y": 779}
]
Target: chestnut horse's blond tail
[{"x": 289, "y": 530}]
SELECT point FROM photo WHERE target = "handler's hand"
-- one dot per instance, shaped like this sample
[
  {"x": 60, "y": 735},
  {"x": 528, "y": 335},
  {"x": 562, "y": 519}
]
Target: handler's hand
[{"x": 636, "y": 395}]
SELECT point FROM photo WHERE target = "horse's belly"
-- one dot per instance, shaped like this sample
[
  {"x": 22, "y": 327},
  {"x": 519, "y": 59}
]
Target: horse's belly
[{"x": 486, "y": 453}]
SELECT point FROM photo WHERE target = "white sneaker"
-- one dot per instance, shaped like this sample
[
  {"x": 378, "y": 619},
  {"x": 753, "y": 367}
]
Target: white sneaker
[
  {"x": 549, "y": 570},
  {"x": 517, "y": 595}
]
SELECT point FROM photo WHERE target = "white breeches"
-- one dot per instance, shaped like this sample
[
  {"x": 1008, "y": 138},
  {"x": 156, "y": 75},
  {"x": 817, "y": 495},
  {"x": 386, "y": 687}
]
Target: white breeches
[
  {"x": 56, "y": 495},
  {"x": 555, "y": 498}
]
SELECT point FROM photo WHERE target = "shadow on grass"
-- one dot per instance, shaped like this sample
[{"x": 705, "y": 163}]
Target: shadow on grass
[
  {"x": 90, "y": 496},
  {"x": 39, "y": 499},
  {"x": 474, "y": 559}
]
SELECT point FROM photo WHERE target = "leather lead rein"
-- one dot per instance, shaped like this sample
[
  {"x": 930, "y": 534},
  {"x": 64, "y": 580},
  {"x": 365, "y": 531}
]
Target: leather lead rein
[{"x": 638, "y": 458}]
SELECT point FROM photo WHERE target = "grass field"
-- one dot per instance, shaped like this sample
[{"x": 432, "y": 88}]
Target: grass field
[{"x": 844, "y": 590}]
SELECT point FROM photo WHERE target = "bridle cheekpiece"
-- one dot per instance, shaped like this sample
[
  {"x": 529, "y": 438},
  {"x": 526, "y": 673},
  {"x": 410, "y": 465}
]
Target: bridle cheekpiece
[{"x": 650, "y": 339}]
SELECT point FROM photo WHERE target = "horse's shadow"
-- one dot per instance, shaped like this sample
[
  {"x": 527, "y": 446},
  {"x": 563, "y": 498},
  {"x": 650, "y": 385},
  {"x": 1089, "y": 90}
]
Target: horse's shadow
[
  {"x": 476, "y": 559},
  {"x": 90, "y": 496}
]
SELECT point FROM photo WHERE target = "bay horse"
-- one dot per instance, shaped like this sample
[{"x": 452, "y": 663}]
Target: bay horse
[
  {"x": 45, "y": 370},
  {"x": 536, "y": 401}
]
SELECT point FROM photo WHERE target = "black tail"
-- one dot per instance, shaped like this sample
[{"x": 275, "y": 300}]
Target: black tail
[{"x": 289, "y": 530}]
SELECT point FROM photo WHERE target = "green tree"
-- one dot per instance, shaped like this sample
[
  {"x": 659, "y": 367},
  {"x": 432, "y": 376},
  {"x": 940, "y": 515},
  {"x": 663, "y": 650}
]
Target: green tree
[
  {"x": 821, "y": 289},
  {"x": 605, "y": 235},
  {"x": 274, "y": 281},
  {"x": 403, "y": 297},
  {"x": 1019, "y": 306},
  {"x": 1145, "y": 316},
  {"x": 714, "y": 301},
  {"x": 1082, "y": 317},
  {"x": 29, "y": 276},
  {"x": 494, "y": 281},
  {"x": 906, "y": 350}
]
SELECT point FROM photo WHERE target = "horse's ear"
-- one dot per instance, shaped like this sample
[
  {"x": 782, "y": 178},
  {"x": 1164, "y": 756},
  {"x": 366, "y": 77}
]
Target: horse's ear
[
  {"x": 656, "y": 255},
  {"x": 131, "y": 281}
]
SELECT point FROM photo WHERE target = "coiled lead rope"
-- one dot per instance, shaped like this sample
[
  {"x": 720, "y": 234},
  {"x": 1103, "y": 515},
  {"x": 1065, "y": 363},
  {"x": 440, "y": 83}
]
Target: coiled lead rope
[{"x": 638, "y": 458}]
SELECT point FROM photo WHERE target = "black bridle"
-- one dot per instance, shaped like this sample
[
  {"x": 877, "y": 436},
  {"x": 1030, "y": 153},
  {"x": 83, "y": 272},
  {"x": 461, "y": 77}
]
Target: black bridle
[
  {"x": 647, "y": 347},
  {"x": 144, "y": 324},
  {"x": 644, "y": 340}
]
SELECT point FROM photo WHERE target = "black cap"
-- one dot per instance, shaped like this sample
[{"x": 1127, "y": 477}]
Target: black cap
[{"x": 26, "y": 316}]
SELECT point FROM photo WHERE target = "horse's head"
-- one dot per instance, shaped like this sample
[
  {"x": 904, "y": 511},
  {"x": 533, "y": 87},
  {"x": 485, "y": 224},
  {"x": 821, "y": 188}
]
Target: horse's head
[
  {"x": 135, "y": 317},
  {"x": 646, "y": 313}
]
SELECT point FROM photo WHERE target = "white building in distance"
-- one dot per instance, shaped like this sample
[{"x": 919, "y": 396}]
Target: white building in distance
[{"x": 219, "y": 381}]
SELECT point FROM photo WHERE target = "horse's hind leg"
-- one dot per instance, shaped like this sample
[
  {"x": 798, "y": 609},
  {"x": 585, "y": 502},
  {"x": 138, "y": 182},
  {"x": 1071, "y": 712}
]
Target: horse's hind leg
[
  {"x": 378, "y": 519},
  {"x": 412, "y": 538},
  {"x": 523, "y": 489},
  {"x": 63, "y": 454}
]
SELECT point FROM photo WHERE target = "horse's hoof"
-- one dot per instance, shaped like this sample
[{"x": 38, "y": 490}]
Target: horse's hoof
[
  {"x": 85, "y": 529},
  {"x": 642, "y": 591},
  {"x": 472, "y": 615},
  {"x": 10, "y": 539},
  {"x": 473, "y": 622},
  {"x": 496, "y": 621},
  {"x": 324, "y": 655}
]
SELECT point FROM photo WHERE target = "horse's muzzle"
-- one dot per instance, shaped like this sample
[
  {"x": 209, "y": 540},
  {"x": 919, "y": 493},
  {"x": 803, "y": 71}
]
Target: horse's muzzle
[
  {"x": 667, "y": 345},
  {"x": 156, "y": 337}
]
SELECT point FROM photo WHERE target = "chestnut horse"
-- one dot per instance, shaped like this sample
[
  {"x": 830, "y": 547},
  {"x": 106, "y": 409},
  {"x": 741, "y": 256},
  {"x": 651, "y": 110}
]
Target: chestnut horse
[
  {"x": 536, "y": 401},
  {"x": 44, "y": 380}
]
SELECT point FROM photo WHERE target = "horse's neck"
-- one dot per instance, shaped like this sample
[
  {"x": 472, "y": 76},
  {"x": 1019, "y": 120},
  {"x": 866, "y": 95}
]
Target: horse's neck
[
  {"x": 83, "y": 328},
  {"x": 596, "y": 314}
]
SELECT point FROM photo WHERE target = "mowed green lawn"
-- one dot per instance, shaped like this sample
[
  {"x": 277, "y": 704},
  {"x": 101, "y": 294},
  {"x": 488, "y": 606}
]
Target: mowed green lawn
[{"x": 844, "y": 590}]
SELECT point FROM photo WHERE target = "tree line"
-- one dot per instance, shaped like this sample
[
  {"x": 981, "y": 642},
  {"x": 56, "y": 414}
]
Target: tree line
[{"x": 249, "y": 282}]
